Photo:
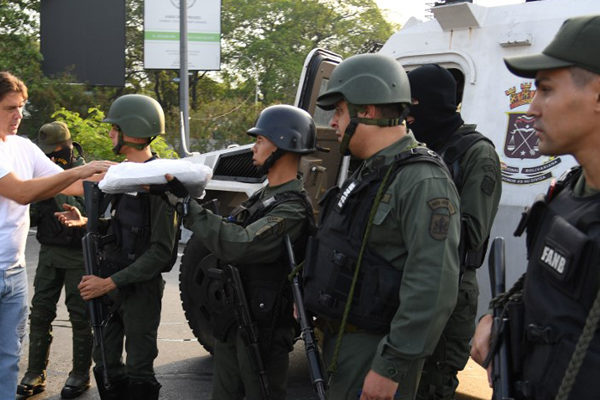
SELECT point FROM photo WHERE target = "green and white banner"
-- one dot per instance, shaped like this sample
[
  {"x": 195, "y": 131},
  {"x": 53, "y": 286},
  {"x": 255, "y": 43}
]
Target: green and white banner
[{"x": 161, "y": 34}]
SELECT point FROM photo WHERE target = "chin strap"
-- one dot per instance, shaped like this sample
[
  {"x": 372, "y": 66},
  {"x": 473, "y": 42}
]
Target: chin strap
[
  {"x": 353, "y": 110},
  {"x": 269, "y": 162},
  {"x": 121, "y": 143}
]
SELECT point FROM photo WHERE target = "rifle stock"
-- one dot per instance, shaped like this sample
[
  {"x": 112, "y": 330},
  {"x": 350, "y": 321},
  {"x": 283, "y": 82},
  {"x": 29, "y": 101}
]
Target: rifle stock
[
  {"x": 306, "y": 331},
  {"x": 92, "y": 198},
  {"x": 501, "y": 362}
]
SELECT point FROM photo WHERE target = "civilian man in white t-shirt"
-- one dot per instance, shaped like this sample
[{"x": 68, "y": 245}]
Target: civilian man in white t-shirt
[{"x": 26, "y": 175}]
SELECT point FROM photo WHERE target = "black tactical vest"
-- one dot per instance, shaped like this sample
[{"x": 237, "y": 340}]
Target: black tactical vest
[
  {"x": 452, "y": 153},
  {"x": 332, "y": 254},
  {"x": 563, "y": 236},
  {"x": 266, "y": 286},
  {"x": 49, "y": 230},
  {"x": 129, "y": 235}
]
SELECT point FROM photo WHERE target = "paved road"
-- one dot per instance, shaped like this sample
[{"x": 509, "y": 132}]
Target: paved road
[{"x": 183, "y": 367}]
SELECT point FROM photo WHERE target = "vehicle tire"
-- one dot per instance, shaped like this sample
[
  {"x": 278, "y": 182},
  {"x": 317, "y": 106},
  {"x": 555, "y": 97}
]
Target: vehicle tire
[{"x": 192, "y": 274}]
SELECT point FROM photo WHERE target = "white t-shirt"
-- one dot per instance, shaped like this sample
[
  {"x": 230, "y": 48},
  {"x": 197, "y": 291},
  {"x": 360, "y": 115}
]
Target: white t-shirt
[{"x": 24, "y": 159}]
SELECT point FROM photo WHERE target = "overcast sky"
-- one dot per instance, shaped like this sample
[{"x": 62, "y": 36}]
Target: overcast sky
[{"x": 401, "y": 10}]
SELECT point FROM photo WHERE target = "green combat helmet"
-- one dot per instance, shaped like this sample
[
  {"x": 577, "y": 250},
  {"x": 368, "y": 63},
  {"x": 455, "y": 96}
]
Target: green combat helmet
[
  {"x": 367, "y": 79},
  {"x": 137, "y": 116},
  {"x": 53, "y": 134},
  {"x": 290, "y": 129}
]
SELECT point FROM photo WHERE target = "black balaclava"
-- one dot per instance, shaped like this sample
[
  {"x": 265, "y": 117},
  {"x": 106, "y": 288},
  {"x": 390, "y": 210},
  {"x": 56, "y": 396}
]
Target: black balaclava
[
  {"x": 436, "y": 118},
  {"x": 63, "y": 157}
]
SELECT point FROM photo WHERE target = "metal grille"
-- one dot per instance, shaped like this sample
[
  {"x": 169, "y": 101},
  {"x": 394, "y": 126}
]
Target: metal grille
[{"x": 237, "y": 166}]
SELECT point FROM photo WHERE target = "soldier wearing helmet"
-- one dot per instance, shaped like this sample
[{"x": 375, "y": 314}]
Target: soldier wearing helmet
[
  {"x": 252, "y": 239},
  {"x": 60, "y": 264},
  {"x": 140, "y": 238},
  {"x": 381, "y": 273}
]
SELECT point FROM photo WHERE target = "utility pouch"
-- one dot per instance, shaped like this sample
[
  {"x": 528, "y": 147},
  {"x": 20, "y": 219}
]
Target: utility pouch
[{"x": 219, "y": 299}]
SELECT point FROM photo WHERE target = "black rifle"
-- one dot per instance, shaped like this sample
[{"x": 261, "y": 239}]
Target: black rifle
[
  {"x": 93, "y": 200},
  {"x": 500, "y": 332},
  {"x": 306, "y": 331},
  {"x": 230, "y": 276}
]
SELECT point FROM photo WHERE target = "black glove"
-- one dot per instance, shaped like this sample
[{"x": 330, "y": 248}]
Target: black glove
[{"x": 174, "y": 193}]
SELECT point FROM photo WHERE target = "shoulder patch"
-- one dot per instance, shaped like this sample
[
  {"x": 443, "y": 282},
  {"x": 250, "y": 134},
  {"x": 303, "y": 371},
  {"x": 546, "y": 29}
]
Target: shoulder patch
[
  {"x": 273, "y": 225},
  {"x": 440, "y": 217},
  {"x": 438, "y": 226},
  {"x": 488, "y": 184},
  {"x": 442, "y": 202}
]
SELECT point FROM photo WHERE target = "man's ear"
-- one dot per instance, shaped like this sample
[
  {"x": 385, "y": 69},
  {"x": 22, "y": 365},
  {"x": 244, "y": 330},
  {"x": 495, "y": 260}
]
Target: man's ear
[
  {"x": 370, "y": 111},
  {"x": 596, "y": 87}
]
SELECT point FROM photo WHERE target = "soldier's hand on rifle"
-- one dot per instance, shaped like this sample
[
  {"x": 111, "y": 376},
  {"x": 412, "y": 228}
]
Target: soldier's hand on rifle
[
  {"x": 480, "y": 346},
  {"x": 71, "y": 217},
  {"x": 377, "y": 386},
  {"x": 92, "y": 286}
]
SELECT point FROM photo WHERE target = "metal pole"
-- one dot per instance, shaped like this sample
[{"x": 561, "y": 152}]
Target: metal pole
[
  {"x": 183, "y": 79},
  {"x": 255, "y": 78}
]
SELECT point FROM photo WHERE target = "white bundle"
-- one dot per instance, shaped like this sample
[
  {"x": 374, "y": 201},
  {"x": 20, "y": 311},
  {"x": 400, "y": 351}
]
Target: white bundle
[{"x": 129, "y": 177}]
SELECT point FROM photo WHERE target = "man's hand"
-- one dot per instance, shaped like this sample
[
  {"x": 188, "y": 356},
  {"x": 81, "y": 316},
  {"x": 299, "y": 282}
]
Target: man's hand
[
  {"x": 94, "y": 167},
  {"x": 377, "y": 387},
  {"x": 177, "y": 195},
  {"x": 71, "y": 217},
  {"x": 92, "y": 286},
  {"x": 480, "y": 346}
]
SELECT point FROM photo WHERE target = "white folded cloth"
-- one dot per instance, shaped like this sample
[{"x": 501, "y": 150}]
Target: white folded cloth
[{"x": 129, "y": 177}]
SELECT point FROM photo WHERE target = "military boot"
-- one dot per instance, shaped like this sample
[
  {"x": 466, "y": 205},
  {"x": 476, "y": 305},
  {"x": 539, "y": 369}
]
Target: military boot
[
  {"x": 79, "y": 378},
  {"x": 32, "y": 383},
  {"x": 75, "y": 386},
  {"x": 40, "y": 337},
  {"x": 143, "y": 390}
]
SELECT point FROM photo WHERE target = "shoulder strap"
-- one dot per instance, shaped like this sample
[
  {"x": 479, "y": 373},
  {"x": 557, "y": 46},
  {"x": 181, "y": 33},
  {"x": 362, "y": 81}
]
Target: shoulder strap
[
  {"x": 258, "y": 209},
  {"x": 418, "y": 154},
  {"x": 457, "y": 146},
  {"x": 567, "y": 178}
]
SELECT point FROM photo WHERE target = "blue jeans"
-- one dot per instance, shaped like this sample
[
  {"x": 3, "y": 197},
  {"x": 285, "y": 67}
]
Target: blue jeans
[{"x": 13, "y": 317}]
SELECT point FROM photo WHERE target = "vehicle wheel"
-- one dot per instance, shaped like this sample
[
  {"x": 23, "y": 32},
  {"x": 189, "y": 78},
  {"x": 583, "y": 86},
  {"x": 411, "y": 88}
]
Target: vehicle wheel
[{"x": 192, "y": 275}]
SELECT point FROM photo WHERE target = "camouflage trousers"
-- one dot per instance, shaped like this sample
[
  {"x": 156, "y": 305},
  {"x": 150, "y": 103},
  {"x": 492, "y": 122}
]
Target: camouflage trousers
[{"x": 439, "y": 378}]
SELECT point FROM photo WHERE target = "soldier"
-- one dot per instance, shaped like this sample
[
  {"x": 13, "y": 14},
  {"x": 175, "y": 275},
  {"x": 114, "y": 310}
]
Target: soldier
[
  {"x": 475, "y": 169},
  {"x": 138, "y": 247},
  {"x": 562, "y": 278},
  {"x": 252, "y": 238},
  {"x": 382, "y": 271},
  {"x": 60, "y": 264}
]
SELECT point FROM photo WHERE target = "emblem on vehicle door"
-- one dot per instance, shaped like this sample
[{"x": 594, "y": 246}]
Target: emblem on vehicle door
[
  {"x": 521, "y": 141},
  {"x": 527, "y": 165}
]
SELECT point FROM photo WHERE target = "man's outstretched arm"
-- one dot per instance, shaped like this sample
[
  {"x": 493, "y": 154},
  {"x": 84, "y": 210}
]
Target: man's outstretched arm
[{"x": 36, "y": 189}]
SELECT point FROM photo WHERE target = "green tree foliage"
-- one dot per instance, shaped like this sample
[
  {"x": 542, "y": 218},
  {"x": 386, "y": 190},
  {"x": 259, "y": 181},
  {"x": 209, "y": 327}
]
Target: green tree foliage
[
  {"x": 278, "y": 34},
  {"x": 92, "y": 134}
]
